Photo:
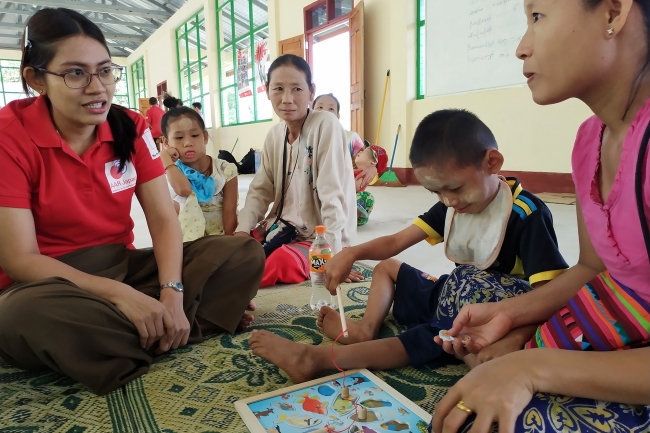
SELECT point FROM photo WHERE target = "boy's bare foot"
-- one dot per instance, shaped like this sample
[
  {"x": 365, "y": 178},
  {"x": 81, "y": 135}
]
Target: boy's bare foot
[
  {"x": 294, "y": 358},
  {"x": 329, "y": 321}
]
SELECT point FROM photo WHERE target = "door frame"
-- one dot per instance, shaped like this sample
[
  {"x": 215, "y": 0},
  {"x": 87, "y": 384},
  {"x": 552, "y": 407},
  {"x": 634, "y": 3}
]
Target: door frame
[
  {"x": 330, "y": 23},
  {"x": 309, "y": 37},
  {"x": 357, "y": 70}
]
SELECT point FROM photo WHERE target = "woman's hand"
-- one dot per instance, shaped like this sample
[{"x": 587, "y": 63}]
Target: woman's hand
[
  {"x": 512, "y": 342},
  {"x": 244, "y": 234},
  {"x": 497, "y": 391},
  {"x": 173, "y": 302},
  {"x": 484, "y": 323},
  {"x": 150, "y": 317}
]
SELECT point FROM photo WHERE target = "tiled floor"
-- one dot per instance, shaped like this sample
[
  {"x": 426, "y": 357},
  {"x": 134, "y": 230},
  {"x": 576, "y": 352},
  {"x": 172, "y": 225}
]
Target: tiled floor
[{"x": 395, "y": 209}]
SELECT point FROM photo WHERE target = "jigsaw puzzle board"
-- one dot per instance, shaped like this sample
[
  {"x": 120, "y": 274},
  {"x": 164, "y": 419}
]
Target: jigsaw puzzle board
[{"x": 311, "y": 406}]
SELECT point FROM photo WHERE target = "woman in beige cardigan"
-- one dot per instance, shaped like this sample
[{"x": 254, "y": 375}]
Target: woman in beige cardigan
[{"x": 306, "y": 172}]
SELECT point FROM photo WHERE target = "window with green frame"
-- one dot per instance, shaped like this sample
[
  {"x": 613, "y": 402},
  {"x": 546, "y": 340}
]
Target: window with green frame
[
  {"x": 121, "y": 95},
  {"x": 243, "y": 32},
  {"x": 138, "y": 80},
  {"x": 11, "y": 87},
  {"x": 421, "y": 41},
  {"x": 192, "y": 54}
]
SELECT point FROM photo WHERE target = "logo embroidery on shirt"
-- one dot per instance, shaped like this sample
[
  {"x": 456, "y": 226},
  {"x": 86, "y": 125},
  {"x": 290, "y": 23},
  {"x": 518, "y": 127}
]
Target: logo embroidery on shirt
[
  {"x": 151, "y": 144},
  {"x": 119, "y": 180}
]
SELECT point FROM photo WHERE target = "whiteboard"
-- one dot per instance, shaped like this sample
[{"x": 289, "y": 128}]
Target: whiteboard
[{"x": 471, "y": 44}]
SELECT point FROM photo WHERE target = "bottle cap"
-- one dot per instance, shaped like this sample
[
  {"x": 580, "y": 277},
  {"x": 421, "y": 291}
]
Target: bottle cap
[{"x": 321, "y": 230}]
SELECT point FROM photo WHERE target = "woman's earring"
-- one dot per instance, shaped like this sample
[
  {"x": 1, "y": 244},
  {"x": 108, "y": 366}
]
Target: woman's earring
[
  {"x": 40, "y": 91},
  {"x": 610, "y": 32}
]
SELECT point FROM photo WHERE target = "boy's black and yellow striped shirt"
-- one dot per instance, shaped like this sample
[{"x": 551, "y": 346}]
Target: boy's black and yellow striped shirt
[{"x": 530, "y": 249}]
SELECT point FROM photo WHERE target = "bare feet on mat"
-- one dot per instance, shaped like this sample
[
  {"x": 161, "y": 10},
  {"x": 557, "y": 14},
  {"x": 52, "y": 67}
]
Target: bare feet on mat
[
  {"x": 295, "y": 359},
  {"x": 329, "y": 322},
  {"x": 245, "y": 322},
  {"x": 247, "y": 319}
]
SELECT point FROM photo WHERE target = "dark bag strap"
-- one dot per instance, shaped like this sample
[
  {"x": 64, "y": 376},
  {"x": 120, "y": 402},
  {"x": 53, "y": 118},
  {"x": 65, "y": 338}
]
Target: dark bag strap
[
  {"x": 280, "y": 207},
  {"x": 640, "y": 164}
]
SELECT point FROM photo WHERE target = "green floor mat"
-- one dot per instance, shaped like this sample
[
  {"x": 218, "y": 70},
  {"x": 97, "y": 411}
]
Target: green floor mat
[{"x": 193, "y": 390}]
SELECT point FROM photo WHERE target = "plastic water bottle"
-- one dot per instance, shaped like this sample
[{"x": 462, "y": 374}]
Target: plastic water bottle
[{"x": 319, "y": 253}]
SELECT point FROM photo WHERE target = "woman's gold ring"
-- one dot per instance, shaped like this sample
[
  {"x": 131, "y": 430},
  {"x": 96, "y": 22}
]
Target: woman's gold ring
[{"x": 461, "y": 406}]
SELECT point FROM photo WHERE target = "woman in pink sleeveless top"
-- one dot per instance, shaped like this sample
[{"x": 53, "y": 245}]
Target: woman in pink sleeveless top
[{"x": 598, "y": 312}]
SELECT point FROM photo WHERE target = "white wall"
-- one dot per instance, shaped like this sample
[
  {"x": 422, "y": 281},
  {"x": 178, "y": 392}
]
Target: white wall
[
  {"x": 531, "y": 137},
  {"x": 289, "y": 18},
  {"x": 10, "y": 54}
]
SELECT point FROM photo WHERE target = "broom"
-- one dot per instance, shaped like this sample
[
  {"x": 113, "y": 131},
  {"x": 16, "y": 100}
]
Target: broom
[
  {"x": 381, "y": 115},
  {"x": 390, "y": 178}
]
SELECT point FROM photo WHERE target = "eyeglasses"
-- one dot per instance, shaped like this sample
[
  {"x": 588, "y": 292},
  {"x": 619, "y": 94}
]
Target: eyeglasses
[{"x": 78, "y": 79}]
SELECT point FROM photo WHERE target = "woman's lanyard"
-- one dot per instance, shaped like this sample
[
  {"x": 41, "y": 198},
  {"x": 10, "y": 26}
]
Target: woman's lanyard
[{"x": 278, "y": 213}]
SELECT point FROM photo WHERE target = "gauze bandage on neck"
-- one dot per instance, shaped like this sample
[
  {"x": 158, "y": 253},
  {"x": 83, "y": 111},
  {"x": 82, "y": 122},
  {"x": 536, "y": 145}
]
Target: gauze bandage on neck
[{"x": 476, "y": 239}]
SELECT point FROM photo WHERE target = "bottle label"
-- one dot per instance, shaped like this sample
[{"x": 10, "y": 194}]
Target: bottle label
[{"x": 318, "y": 259}]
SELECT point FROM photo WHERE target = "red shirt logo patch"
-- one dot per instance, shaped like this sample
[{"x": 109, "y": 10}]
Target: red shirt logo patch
[{"x": 119, "y": 180}]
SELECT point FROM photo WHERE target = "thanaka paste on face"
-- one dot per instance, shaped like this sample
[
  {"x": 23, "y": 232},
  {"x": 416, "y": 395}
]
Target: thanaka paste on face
[{"x": 184, "y": 123}]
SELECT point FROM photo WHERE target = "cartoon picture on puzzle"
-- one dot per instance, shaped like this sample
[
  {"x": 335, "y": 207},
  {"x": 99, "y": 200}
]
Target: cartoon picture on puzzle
[{"x": 371, "y": 407}]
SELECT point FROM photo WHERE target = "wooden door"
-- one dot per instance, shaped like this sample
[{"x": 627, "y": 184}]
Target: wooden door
[
  {"x": 161, "y": 89},
  {"x": 295, "y": 45},
  {"x": 143, "y": 106},
  {"x": 357, "y": 89}
]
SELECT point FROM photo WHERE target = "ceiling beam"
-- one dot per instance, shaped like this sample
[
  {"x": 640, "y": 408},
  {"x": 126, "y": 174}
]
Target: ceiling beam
[
  {"x": 118, "y": 45},
  {"x": 120, "y": 51},
  {"x": 108, "y": 19},
  {"x": 157, "y": 4},
  {"x": 12, "y": 26},
  {"x": 97, "y": 7},
  {"x": 6, "y": 6},
  {"x": 17, "y": 36},
  {"x": 114, "y": 22},
  {"x": 145, "y": 25},
  {"x": 93, "y": 16},
  {"x": 124, "y": 37}
]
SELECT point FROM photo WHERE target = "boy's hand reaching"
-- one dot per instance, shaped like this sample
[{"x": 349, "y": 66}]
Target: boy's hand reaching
[{"x": 338, "y": 269}]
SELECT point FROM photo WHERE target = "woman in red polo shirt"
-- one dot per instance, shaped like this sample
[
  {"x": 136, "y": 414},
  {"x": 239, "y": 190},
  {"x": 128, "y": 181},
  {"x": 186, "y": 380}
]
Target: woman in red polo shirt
[{"x": 77, "y": 297}]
